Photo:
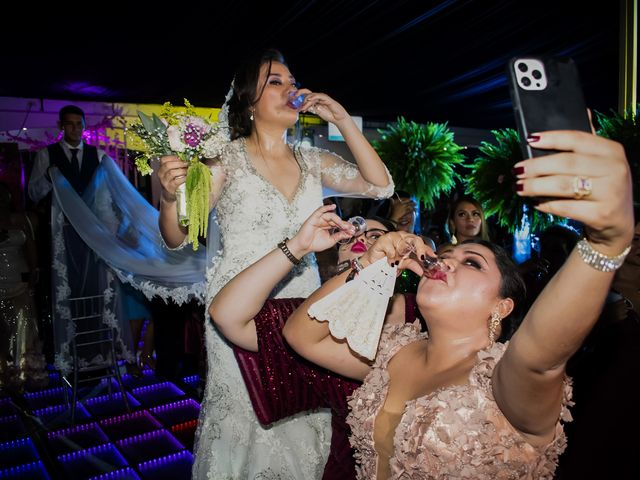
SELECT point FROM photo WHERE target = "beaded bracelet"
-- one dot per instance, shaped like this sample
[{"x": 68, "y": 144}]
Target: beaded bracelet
[
  {"x": 600, "y": 261},
  {"x": 283, "y": 246}
]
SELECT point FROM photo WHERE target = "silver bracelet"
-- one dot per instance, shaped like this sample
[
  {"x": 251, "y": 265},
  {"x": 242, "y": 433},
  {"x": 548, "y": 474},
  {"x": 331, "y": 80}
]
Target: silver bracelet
[{"x": 600, "y": 261}]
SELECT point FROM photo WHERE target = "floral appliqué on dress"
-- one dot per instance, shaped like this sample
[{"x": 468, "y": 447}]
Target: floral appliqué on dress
[{"x": 454, "y": 432}]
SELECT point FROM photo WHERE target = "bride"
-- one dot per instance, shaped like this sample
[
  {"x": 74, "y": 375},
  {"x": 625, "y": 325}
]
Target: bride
[{"x": 263, "y": 191}]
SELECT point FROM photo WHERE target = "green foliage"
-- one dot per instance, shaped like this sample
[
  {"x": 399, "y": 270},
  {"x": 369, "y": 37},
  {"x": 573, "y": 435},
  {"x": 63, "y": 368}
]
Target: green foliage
[
  {"x": 198, "y": 188},
  {"x": 492, "y": 183},
  {"x": 181, "y": 132},
  {"x": 626, "y": 130},
  {"x": 420, "y": 158}
]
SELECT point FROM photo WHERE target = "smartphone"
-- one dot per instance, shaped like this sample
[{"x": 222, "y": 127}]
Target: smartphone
[{"x": 547, "y": 95}]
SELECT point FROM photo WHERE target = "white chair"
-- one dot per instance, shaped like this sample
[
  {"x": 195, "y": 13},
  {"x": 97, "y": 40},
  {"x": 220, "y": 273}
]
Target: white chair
[{"x": 93, "y": 339}]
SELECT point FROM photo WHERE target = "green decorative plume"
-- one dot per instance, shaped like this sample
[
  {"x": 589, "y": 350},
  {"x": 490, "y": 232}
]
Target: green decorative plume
[
  {"x": 626, "y": 130},
  {"x": 492, "y": 183},
  {"x": 420, "y": 158}
]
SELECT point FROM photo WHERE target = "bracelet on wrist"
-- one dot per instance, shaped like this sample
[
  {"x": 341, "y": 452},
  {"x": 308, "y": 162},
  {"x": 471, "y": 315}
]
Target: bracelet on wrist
[
  {"x": 283, "y": 246},
  {"x": 600, "y": 261}
]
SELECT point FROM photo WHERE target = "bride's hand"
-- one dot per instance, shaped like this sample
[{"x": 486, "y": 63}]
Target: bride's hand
[
  {"x": 172, "y": 173},
  {"x": 323, "y": 106},
  {"x": 319, "y": 233}
]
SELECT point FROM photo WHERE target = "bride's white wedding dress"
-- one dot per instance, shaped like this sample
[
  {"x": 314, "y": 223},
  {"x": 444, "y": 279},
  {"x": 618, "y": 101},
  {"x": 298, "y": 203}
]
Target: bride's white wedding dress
[{"x": 253, "y": 217}]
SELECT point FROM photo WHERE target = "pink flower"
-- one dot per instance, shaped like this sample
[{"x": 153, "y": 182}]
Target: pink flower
[{"x": 192, "y": 135}]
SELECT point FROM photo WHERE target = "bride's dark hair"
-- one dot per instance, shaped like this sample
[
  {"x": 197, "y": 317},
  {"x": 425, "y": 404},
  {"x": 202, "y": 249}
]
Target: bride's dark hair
[{"x": 246, "y": 93}]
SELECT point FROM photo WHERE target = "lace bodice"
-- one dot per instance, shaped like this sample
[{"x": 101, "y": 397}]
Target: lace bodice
[
  {"x": 254, "y": 216},
  {"x": 454, "y": 432}
]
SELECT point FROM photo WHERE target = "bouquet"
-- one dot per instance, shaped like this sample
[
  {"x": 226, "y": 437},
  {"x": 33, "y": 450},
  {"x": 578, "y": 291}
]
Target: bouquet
[{"x": 192, "y": 138}]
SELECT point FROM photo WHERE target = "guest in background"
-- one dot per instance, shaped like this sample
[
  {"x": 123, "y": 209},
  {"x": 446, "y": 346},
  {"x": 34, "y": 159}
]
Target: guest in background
[
  {"x": 465, "y": 221},
  {"x": 76, "y": 270},
  {"x": 76, "y": 160},
  {"x": 21, "y": 358}
]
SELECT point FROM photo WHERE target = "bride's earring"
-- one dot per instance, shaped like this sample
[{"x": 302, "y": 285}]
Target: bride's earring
[
  {"x": 251, "y": 116},
  {"x": 494, "y": 323}
]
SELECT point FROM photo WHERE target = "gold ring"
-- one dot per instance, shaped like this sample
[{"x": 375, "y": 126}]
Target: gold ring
[{"x": 582, "y": 187}]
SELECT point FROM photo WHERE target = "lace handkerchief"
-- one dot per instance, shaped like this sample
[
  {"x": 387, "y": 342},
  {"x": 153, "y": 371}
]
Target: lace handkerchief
[{"x": 357, "y": 309}]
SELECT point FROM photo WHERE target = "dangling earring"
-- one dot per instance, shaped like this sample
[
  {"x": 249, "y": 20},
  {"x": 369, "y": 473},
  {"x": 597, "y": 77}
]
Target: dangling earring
[
  {"x": 494, "y": 323},
  {"x": 251, "y": 116}
]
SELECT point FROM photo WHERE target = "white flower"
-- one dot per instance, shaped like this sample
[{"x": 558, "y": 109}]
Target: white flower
[
  {"x": 214, "y": 144},
  {"x": 175, "y": 139}
]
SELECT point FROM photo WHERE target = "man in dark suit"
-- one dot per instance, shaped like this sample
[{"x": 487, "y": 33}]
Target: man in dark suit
[{"x": 76, "y": 160}]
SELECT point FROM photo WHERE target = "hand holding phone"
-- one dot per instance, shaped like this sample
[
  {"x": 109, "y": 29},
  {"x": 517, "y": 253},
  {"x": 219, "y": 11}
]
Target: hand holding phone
[{"x": 546, "y": 95}]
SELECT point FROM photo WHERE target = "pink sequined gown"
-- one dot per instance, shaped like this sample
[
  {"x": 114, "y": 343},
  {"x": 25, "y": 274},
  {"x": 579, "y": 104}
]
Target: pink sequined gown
[{"x": 455, "y": 432}]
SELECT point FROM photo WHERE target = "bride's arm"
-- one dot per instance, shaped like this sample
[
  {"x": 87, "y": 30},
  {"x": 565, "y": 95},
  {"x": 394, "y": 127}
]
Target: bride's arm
[
  {"x": 372, "y": 177},
  {"x": 173, "y": 173}
]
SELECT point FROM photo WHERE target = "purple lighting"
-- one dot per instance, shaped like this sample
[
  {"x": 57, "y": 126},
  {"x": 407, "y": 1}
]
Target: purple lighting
[
  {"x": 127, "y": 425},
  {"x": 54, "y": 379},
  {"x": 122, "y": 474},
  {"x": 192, "y": 380},
  {"x": 11, "y": 428},
  {"x": 45, "y": 398},
  {"x": 148, "y": 378},
  {"x": 92, "y": 461},
  {"x": 28, "y": 471},
  {"x": 170, "y": 467},
  {"x": 109, "y": 404},
  {"x": 59, "y": 413},
  {"x": 17, "y": 452},
  {"x": 158, "y": 393},
  {"x": 77, "y": 438},
  {"x": 85, "y": 88},
  {"x": 177, "y": 412},
  {"x": 149, "y": 445}
]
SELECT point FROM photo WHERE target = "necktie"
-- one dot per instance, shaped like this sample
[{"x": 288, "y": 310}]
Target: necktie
[{"x": 74, "y": 160}]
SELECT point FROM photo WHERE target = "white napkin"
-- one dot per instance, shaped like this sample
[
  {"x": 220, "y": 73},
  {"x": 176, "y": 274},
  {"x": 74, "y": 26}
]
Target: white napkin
[{"x": 357, "y": 309}]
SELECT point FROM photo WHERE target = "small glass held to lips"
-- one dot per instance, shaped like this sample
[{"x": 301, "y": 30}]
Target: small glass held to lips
[
  {"x": 295, "y": 100},
  {"x": 360, "y": 226},
  {"x": 431, "y": 265}
]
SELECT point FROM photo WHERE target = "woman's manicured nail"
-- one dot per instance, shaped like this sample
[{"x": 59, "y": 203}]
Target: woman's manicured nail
[
  {"x": 517, "y": 170},
  {"x": 533, "y": 138},
  {"x": 519, "y": 187}
]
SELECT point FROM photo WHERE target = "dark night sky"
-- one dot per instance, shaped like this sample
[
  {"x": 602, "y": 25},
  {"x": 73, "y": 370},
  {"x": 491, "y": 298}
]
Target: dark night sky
[{"x": 426, "y": 60}]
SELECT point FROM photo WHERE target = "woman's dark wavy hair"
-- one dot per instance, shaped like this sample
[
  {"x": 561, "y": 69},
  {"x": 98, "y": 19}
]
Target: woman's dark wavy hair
[
  {"x": 384, "y": 221},
  {"x": 246, "y": 92},
  {"x": 511, "y": 285}
]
